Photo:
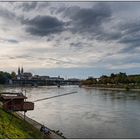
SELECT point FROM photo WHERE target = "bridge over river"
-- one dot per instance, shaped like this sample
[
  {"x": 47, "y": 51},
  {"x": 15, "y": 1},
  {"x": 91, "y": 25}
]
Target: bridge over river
[{"x": 42, "y": 82}]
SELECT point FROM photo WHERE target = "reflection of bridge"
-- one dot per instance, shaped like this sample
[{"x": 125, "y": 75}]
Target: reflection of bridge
[{"x": 40, "y": 82}]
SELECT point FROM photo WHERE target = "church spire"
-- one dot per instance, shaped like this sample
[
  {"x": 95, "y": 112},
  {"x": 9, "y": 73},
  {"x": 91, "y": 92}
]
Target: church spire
[
  {"x": 18, "y": 70},
  {"x": 22, "y": 70}
]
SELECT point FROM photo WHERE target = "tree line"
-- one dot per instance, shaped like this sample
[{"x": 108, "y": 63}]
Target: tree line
[
  {"x": 118, "y": 79},
  {"x": 5, "y": 77}
]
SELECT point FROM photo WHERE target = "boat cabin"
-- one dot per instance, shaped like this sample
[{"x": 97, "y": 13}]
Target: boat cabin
[{"x": 15, "y": 102}]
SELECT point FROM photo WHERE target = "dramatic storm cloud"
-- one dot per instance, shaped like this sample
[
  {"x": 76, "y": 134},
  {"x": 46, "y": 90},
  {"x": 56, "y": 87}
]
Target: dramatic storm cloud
[
  {"x": 44, "y": 25},
  {"x": 88, "y": 19},
  {"x": 76, "y": 39}
]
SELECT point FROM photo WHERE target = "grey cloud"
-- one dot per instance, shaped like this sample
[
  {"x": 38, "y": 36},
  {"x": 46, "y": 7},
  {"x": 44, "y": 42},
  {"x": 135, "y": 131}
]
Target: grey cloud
[
  {"x": 126, "y": 61},
  {"x": 131, "y": 40},
  {"x": 78, "y": 44},
  {"x": 61, "y": 61},
  {"x": 12, "y": 41},
  {"x": 85, "y": 21},
  {"x": 81, "y": 20},
  {"x": 57, "y": 61},
  {"x": 16, "y": 57},
  {"x": 6, "y": 14},
  {"x": 68, "y": 11},
  {"x": 9, "y": 40},
  {"x": 44, "y": 25},
  {"x": 10, "y": 57},
  {"x": 49, "y": 39},
  {"x": 126, "y": 33},
  {"x": 130, "y": 26},
  {"x": 131, "y": 32},
  {"x": 130, "y": 35},
  {"x": 20, "y": 57},
  {"x": 109, "y": 36},
  {"x": 132, "y": 60},
  {"x": 27, "y": 6},
  {"x": 45, "y": 4},
  {"x": 88, "y": 20},
  {"x": 66, "y": 38}
]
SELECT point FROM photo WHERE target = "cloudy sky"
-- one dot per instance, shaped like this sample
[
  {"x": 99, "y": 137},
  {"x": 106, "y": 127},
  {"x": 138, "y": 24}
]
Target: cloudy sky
[{"x": 70, "y": 39}]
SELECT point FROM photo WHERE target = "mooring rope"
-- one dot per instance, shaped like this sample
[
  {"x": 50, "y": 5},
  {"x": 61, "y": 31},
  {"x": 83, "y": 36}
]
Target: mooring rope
[{"x": 55, "y": 96}]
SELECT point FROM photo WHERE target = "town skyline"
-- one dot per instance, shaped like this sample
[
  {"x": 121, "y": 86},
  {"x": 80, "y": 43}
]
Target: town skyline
[{"x": 70, "y": 39}]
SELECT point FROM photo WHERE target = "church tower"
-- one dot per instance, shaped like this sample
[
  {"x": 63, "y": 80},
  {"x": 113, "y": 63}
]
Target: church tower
[
  {"x": 18, "y": 70},
  {"x": 22, "y": 70}
]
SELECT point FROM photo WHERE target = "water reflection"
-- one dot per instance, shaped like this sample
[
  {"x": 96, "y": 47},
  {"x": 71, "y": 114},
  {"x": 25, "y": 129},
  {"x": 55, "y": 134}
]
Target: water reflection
[{"x": 90, "y": 113}]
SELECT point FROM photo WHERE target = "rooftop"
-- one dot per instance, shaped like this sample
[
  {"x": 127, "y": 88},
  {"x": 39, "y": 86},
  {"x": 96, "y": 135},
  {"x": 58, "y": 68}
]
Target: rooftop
[{"x": 9, "y": 95}]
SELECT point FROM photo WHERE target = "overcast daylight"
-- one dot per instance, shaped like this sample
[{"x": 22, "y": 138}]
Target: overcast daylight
[
  {"x": 76, "y": 39},
  {"x": 69, "y": 70}
]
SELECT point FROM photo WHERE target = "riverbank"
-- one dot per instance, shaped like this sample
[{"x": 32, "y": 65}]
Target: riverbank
[
  {"x": 37, "y": 125},
  {"x": 11, "y": 127},
  {"x": 113, "y": 89}
]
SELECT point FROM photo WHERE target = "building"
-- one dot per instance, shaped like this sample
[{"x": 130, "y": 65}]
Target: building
[
  {"x": 27, "y": 75},
  {"x": 23, "y": 75},
  {"x": 28, "y": 79},
  {"x": 15, "y": 102}
]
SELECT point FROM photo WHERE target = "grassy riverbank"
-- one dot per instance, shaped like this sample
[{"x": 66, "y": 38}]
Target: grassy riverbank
[{"x": 14, "y": 128}]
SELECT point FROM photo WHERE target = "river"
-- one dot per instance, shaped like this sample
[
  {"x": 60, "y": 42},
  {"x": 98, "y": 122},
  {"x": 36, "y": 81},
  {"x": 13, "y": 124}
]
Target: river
[{"x": 89, "y": 113}]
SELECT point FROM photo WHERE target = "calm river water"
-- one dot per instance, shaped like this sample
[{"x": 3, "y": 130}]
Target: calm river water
[{"x": 90, "y": 113}]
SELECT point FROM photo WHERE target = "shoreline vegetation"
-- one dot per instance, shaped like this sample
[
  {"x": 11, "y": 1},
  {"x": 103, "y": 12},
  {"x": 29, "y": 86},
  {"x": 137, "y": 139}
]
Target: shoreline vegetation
[{"x": 119, "y": 81}]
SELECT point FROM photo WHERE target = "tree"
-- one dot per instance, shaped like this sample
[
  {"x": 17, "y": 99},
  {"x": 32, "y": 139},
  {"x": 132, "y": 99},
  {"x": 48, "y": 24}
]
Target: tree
[
  {"x": 112, "y": 75},
  {"x": 4, "y": 77},
  {"x": 13, "y": 75}
]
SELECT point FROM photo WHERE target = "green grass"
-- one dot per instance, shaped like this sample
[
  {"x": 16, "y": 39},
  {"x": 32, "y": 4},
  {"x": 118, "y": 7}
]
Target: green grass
[{"x": 15, "y": 128}]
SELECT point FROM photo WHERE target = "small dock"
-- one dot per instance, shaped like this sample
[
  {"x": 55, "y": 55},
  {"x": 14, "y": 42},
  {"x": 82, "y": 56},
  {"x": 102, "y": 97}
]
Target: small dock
[{"x": 37, "y": 125}]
